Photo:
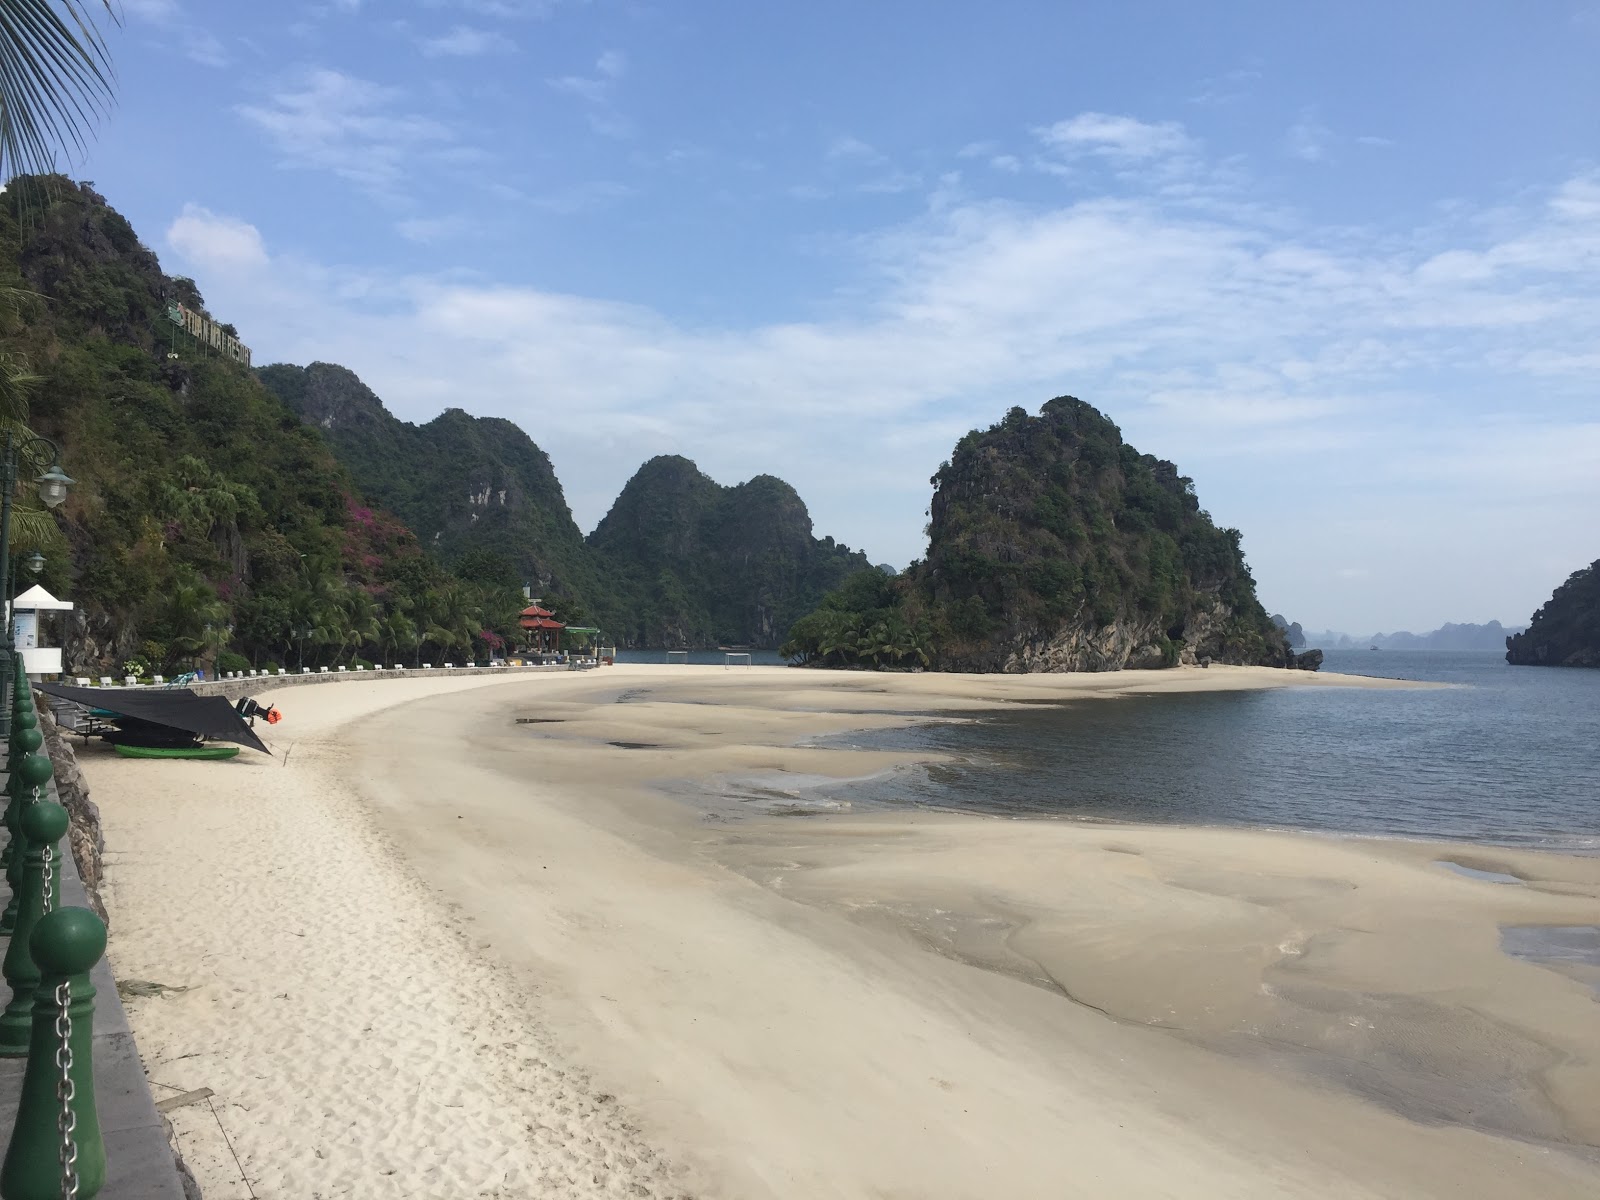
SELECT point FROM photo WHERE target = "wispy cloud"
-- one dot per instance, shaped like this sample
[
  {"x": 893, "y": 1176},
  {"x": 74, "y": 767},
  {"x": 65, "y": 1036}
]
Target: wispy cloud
[
  {"x": 1308, "y": 139},
  {"x": 597, "y": 92},
  {"x": 464, "y": 41},
  {"x": 427, "y": 231},
  {"x": 1119, "y": 138},
  {"x": 180, "y": 30},
  {"x": 354, "y": 128},
  {"x": 1227, "y": 88},
  {"x": 1300, "y": 372}
]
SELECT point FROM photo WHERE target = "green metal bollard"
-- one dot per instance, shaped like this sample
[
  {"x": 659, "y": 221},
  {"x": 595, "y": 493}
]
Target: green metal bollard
[
  {"x": 67, "y": 944},
  {"x": 32, "y": 774},
  {"x": 43, "y": 824},
  {"x": 25, "y": 740}
]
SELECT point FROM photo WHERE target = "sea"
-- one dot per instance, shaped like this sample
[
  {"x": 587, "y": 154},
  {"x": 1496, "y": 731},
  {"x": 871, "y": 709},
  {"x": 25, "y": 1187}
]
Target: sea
[{"x": 1503, "y": 755}]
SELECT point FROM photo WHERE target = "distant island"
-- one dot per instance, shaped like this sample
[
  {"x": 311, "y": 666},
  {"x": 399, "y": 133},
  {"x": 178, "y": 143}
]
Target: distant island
[
  {"x": 1489, "y": 636},
  {"x": 1054, "y": 546},
  {"x": 1566, "y": 631}
]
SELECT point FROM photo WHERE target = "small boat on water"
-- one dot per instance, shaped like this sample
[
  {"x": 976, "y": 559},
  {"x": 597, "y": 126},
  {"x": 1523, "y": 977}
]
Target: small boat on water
[{"x": 202, "y": 751}]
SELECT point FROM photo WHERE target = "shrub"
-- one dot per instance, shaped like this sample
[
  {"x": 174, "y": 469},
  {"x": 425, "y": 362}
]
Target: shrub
[{"x": 227, "y": 660}]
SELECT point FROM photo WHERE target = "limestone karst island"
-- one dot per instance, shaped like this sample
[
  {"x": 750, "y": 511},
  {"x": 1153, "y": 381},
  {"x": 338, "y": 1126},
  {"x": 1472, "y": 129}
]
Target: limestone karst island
[{"x": 644, "y": 600}]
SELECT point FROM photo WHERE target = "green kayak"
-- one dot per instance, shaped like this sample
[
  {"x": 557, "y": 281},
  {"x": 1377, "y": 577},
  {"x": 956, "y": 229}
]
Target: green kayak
[{"x": 177, "y": 751}]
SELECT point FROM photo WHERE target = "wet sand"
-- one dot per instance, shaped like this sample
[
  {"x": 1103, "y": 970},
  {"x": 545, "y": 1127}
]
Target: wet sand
[{"x": 884, "y": 1005}]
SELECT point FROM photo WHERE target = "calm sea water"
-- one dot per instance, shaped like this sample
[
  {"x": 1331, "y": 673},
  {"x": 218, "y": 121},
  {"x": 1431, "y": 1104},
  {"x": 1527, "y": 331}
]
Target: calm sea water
[{"x": 1510, "y": 755}]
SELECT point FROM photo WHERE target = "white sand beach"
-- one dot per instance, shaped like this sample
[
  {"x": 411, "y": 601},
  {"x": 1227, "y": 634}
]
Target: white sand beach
[{"x": 432, "y": 952}]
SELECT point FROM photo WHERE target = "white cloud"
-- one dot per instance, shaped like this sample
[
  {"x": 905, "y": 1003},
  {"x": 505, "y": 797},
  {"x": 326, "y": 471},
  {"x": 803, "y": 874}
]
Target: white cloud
[
  {"x": 209, "y": 242},
  {"x": 1009, "y": 163},
  {"x": 464, "y": 41},
  {"x": 1366, "y": 392},
  {"x": 349, "y": 126},
  {"x": 1123, "y": 139}
]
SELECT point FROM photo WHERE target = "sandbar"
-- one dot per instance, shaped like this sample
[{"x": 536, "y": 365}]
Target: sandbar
[{"x": 456, "y": 939}]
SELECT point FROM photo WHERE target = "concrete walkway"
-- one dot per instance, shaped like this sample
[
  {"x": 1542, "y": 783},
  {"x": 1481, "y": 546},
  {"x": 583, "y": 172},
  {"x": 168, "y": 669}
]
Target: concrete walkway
[{"x": 139, "y": 1162}]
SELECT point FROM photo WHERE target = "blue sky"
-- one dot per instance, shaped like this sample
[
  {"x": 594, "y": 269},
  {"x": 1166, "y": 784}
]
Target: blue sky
[{"x": 1342, "y": 265}]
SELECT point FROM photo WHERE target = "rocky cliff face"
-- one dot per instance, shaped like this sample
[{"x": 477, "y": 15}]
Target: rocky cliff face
[
  {"x": 1055, "y": 546},
  {"x": 1565, "y": 632},
  {"x": 688, "y": 562},
  {"x": 460, "y": 482}
]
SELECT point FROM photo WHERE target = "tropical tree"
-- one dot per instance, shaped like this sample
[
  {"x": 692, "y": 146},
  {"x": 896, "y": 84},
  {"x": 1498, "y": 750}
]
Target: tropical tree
[
  {"x": 396, "y": 632},
  {"x": 55, "y": 76},
  {"x": 194, "y": 619}
]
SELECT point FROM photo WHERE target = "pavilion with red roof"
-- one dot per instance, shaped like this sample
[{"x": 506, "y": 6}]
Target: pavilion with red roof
[{"x": 544, "y": 631}]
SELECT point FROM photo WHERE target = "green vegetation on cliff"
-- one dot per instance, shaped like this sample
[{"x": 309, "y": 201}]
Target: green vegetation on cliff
[
  {"x": 208, "y": 520},
  {"x": 1054, "y": 545},
  {"x": 1565, "y": 632},
  {"x": 685, "y": 561},
  {"x": 461, "y": 483},
  {"x": 679, "y": 560}
]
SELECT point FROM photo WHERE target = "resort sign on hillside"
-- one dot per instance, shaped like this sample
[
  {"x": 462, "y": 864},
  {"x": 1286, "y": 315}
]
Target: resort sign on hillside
[{"x": 208, "y": 332}]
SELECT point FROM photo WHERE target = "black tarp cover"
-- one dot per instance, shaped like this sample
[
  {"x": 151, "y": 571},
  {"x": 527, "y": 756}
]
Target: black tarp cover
[{"x": 209, "y": 716}]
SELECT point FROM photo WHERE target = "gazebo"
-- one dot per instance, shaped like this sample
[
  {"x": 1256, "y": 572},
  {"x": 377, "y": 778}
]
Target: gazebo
[
  {"x": 38, "y": 659},
  {"x": 544, "y": 631}
]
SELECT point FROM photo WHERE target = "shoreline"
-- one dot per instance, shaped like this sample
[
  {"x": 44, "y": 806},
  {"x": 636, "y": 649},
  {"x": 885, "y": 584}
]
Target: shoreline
[{"x": 841, "y": 1006}]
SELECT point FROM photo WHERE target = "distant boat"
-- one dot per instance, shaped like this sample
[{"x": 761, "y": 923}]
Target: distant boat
[{"x": 1371, "y": 647}]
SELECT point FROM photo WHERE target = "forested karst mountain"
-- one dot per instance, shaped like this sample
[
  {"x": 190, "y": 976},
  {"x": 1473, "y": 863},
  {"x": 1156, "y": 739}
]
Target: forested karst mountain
[
  {"x": 1055, "y": 546},
  {"x": 461, "y": 483},
  {"x": 1565, "y": 632},
  {"x": 688, "y": 562},
  {"x": 207, "y": 519},
  {"x": 679, "y": 560}
]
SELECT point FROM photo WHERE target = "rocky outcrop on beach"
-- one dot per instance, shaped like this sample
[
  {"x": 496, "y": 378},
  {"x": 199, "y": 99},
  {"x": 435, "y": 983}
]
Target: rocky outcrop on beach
[
  {"x": 1565, "y": 632},
  {"x": 1055, "y": 545}
]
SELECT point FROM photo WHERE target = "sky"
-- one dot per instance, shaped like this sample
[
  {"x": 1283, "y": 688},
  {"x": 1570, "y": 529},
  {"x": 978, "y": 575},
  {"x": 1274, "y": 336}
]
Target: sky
[{"x": 1340, "y": 263}]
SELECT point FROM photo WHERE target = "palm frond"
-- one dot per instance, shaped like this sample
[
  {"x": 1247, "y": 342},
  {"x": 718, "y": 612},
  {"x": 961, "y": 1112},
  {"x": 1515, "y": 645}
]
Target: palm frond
[
  {"x": 35, "y": 529},
  {"x": 55, "y": 79}
]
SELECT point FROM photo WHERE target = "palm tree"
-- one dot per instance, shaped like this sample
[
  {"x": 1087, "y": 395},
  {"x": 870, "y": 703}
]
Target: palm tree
[
  {"x": 55, "y": 78},
  {"x": 396, "y": 632},
  {"x": 361, "y": 618},
  {"x": 194, "y": 615}
]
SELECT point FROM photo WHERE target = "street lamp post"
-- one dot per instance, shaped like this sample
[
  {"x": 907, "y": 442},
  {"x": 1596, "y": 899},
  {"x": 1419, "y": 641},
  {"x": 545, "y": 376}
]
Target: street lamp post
[{"x": 34, "y": 453}]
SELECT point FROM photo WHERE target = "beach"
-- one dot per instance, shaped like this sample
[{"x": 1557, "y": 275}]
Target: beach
[{"x": 474, "y": 936}]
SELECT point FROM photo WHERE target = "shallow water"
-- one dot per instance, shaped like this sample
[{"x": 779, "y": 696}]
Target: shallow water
[{"x": 1508, "y": 756}]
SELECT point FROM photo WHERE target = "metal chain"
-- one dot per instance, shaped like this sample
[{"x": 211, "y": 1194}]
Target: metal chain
[{"x": 66, "y": 1091}]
